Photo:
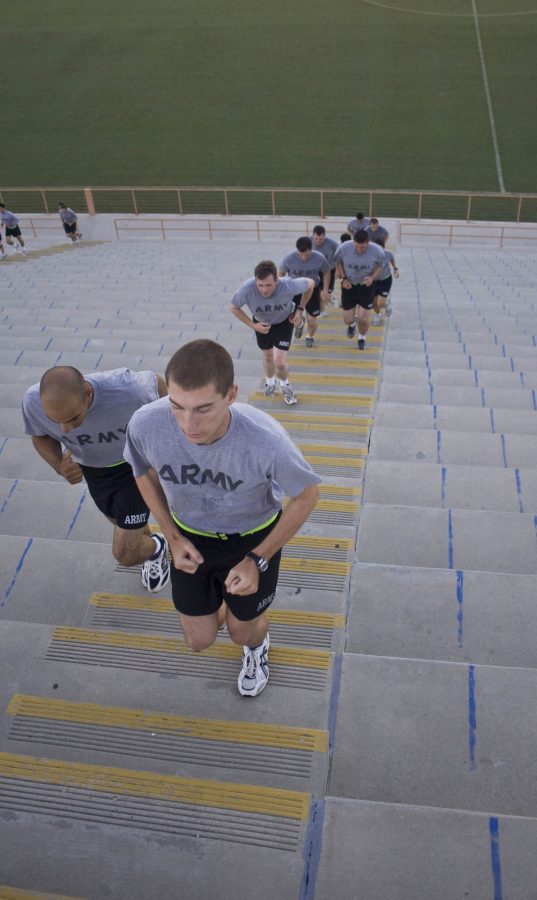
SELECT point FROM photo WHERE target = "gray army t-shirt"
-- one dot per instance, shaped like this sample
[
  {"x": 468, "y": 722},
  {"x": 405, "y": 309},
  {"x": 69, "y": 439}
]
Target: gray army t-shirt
[
  {"x": 8, "y": 218},
  {"x": 68, "y": 216},
  {"x": 297, "y": 267},
  {"x": 100, "y": 440},
  {"x": 354, "y": 225},
  {"x": 328, "y": 249},
  {"x": 358, "y": 266},
  {"x": 388, "y": 258},
  {"x": 274, "y": 309},
  {"x": 232, "y": 485}
]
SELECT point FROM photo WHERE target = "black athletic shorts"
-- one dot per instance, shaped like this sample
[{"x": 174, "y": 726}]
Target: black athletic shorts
[
  {"x": 13, "y": 232},
  {"x": 313, "y": 306},
  {"x": 332, "y": 279},
  {"x": 279, "y": 336},
  {"x": 115, "y": 493},
  {"x": 69, "y": 229},
  {"x": 202, "y": 593},
  {"x": 383, "y": 286},
  {"x": 358, "y": 295}
]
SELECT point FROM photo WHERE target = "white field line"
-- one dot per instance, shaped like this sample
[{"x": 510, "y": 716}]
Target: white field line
[{"x": 489, "y": 102}]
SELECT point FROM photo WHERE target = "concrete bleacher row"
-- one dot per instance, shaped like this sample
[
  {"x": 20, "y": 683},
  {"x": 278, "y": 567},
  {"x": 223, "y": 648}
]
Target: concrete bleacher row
[{"x": 392, "y": 753}]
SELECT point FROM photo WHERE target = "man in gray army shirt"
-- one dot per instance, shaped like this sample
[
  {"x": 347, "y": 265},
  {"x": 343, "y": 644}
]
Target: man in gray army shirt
[
  {"x": 359, "y": 263},
  {"x": 305, "y": 262},
  {"x": 275, "y": 311},
  {"x": 214, "y": 473},
  {"x": 78, "y": 426}
]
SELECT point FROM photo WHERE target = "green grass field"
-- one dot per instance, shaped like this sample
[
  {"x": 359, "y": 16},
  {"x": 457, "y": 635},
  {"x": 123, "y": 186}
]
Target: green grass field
[{"x": 351, "y": 93}]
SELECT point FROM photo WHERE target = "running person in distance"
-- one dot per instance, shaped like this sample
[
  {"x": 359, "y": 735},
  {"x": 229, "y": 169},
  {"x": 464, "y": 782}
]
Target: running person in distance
[
  {"x": 383, "y": 285},
  {"x": 327, "y": 246},
  {"x": 305, "y": 262},
  {"x": 359, "y": 264},
  {"x": 69, "y": 222},
  {"x": 13, "y": 231}
]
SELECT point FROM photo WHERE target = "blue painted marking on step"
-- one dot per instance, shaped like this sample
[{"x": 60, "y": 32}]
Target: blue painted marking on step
[
  {"x": 460, "y": 601},
  {"x": 450, "y": 539},
  {"x": 438, "y": 446},
  {"x": 483, "y": 402},
  {"x": 17, "y": 572},
  {"x": 312, "y": 850},
  {"x": 18, "y": 357},
  {"x": 239, "y": 353},
  {"x": 534, "y": 399},
  {"x": 431, "y": 393},
  {"x": 333, "y": 702},
  {"x": 503, "y": 350},
  {"x": 494, "y": 829},
  {"x": 435, "y": 411},
  {"x": 59, "y": 356},
  {"x": 470, "y": 362},
  {"x": 492, "y": 425},
  {"x": 504, "y": 454},
  {"x": 47, "y": 345},
  {"x": 86, "y": 342},
  {"x": 97, "y": 323},
  {"x": 476, "y": 378},
  {"x": 518, "y": 483},
  {"x": 124, "y": 344},
  {"x": 77, "y": 513},
  {"x": 99, "y": 361},
  {"x": 4, "y": 442},
  {"x": 534, "y": 341},
  {"x": 496, "y": 339},
  {"x": 161, "y": 348},
  {"x": 472, "y": 717},
  {"x": 512, "y": 364},
  {"x": 443, "y": 488},
  {"x": 522, "y": 379},
  {"x": 6, "y": 501}
]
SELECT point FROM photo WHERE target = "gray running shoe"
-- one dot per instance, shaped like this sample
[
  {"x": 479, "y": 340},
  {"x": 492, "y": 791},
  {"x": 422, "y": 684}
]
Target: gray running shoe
[
  {"x": 388, "y": 308},
  {"x": 254, "y": 672},
  {"x": 288, "y": 394},
  {"x": 377, "y": 319},
  {"x": 309, "y": 342},
  {"x": 269, "y": 389},
  {"x": 299, "y": 329}
]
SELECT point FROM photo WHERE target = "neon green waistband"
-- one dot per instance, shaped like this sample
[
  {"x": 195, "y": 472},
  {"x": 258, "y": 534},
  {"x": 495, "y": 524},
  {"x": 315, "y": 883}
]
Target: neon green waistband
[
  {"x": 113, "y": 465},
  {"x": 221, "y": 535}
]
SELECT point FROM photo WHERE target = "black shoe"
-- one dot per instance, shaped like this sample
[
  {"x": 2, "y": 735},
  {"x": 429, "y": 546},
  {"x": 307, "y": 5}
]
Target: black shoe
[
  {"x": 361, "y": 343},
  {"x": 351, "y": 331}
]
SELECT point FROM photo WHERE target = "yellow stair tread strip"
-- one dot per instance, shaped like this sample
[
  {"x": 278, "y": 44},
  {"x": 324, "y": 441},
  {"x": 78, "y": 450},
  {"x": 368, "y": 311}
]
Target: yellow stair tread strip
[
  {"x": 310, "y": 739},
  {"x": 314, "y": 566},
  {"x": 338, "y": 505},
  {"x": 319, "y": 419},
  {"x": 308, "y": 659},
  {"x": 342, "y": 380},
  {"x": 11, "y": 893},
  {"x": 327, "y": 543},
  {"x": 325, "y": 362},
  {"x": 332, "y": 399},
  {"x": 324, "y": 426},
  {"x": 161, "y": 605},
  {"x": 341, "y": 490},
  {"x": 333, "y": 460},
  {"x": 172, "y": 788},
  {"x": 336, "y": 449}
]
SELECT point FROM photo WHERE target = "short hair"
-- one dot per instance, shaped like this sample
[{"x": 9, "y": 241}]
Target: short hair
[
  {"x": 303, "y": 244},
  {"x": 265, "y": 268},
  {"x": 344, "y": 237},
  {"x": 319, "y": 229},
  {"x": 361, "y": 237},
  {"x": 380, "y": 241},
  {"x": 360, "y": 215},
  {"x": 63, "y": 206},
  {"x": 374, "y": 222},
  {"x": 200, "y": 363},
  {"x": 3, "y": 205},
  {"x": 62, "y": 379}
]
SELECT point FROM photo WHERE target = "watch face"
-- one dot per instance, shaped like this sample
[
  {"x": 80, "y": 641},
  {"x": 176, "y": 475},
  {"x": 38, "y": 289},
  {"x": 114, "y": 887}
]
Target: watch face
[{"x": 262, "y": 564}]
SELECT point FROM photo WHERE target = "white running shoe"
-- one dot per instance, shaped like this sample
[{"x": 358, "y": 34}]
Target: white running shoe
[
  {"x": 269, "y": 389},
  {"x": 4, "y": 256},
  {"x": 299, "y": 329},
  {"x": 25, "y": 252},
  {"x": 254, "y": 673},
  {"x": 388, "y": 308},
  {"x": 288, "y": 394},
  {"x": 156, "y": 569},
  {"x": 377, "y": 319}
]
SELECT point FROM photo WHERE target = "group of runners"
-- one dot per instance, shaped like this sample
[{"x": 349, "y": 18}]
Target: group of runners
[
  {"x": 213, "y": 472},
  {"x": 14, "y": 236}
]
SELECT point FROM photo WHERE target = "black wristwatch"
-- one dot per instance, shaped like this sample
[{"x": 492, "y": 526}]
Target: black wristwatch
[{"x": 260, "y": 561}]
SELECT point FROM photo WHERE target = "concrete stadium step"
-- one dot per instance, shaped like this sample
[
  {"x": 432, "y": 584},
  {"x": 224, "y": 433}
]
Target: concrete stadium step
[
  {"x": 412, "y": 852},
  {"x": 443, "y": 614},
  {"x": 459, "y": 378},
  {"x": 450, "y": 735},
  {"x": 442, "y": 395},
  {"x": 131, "y": 809},
  {"x": 451, "y": 418},
  {"x": 454, "y": 447},
  {"x": 451, "y": 486},
  {"x": 245, "y": 750},
  {"x": 448, "y": 538}
]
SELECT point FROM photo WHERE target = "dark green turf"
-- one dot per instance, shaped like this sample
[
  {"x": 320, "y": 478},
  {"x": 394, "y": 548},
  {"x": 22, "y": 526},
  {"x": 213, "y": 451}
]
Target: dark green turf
[{"x": 199, "y": 92}]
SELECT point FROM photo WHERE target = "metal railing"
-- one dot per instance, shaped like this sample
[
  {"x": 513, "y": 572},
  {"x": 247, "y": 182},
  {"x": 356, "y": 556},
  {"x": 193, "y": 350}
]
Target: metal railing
[
  {"x": 500, "y": 235},
  {"x": 318, "y": 202},
  {"x": 169, "y": 228}
]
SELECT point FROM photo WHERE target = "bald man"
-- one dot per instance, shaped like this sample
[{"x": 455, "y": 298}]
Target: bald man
[{"x": 78, "y": 425}]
